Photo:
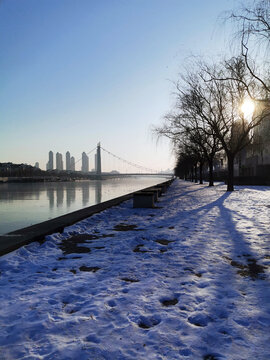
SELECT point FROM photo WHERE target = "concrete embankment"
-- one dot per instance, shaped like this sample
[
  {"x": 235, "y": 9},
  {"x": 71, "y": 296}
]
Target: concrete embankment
[{"x": 37, "y": 232}]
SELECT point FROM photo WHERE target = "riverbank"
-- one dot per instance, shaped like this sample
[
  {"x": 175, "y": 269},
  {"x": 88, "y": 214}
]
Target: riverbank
[
  {"x": 26, "y": 204},
  {"x": 15, "y": 239},
  {"x": 186, "y": 280}
]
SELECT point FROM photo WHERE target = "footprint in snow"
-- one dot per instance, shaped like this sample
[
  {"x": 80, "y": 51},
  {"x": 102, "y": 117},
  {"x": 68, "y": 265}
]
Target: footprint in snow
[
  {"x": 199, "y": 320},
  {"x": 169, "y": 302},
  {"x": 111, "y": 303},
  {"x": 148, "y": 322}
]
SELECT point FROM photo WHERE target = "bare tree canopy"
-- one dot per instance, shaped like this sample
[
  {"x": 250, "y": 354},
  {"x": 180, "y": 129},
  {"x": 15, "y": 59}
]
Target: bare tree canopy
[
  {"x": 253, "y": 32},
  {"x": 208, "y": 114}
]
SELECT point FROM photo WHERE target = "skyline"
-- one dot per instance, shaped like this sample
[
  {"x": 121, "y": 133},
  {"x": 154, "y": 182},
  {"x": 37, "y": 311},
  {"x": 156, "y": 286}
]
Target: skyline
[
  {"x": 92, "y": 163},
  {"x": 75, "y": 74}
]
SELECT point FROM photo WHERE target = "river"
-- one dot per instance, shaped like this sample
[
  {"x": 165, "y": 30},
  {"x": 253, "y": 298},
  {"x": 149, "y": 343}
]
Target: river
[{"x": 25, "y": 204}]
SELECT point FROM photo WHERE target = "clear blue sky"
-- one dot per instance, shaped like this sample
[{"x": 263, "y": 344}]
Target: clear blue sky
[{"x": 75, "y": 72}]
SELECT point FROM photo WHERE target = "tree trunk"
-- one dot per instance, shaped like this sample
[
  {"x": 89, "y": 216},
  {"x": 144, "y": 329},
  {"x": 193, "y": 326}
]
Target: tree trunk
[
  {"x": 196, "y": 173},
  {"x": 230, "y": 176},
  {"x": 192, "y": 174},
  {"x": 211, "y": 179},
  {"x": 200, "y": 172}
]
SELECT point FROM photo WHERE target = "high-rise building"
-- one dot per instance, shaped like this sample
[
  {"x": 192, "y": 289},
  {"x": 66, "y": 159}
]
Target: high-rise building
[
  {"x": 49, "y": 165},
  {"x": 68, "y": 160},
  {"x": 59, "y": 161},
  {"x": 85, "y": 162},
  {"x": 72, "y": 163},
  {"x": 37, "y": 165}
]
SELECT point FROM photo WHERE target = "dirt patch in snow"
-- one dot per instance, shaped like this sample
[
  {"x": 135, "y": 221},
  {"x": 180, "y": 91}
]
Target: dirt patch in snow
[
  {"x": 126, "y": 227},
  {"x": 89, "y": 268},
  {"x": 210, "y": 357},
  {"x": 129, "y": 280},
  {"x": 169, "y": 302},
  {"x": 163, "y": 241},
  {"x": 71, "y": 245},
  {"x": 138, "y": 249},
  {"x": 251, "y": 269}
]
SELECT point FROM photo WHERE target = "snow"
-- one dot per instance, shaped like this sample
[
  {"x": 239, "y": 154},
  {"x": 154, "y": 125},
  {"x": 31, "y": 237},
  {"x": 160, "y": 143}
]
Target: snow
[{"x": 186, "y": 280}]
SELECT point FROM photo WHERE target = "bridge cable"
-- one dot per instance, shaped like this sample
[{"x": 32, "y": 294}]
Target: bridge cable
[
  {"x": 129, "y": 162},
  {"x": 86, "y": 154}
]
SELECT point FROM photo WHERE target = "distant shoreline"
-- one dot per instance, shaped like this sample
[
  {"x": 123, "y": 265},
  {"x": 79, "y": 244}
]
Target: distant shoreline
[
  {"x": 17, "y": 179},
  {"x": 104, "y": 176}
]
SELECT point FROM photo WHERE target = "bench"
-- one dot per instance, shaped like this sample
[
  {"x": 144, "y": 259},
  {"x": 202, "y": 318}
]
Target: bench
[{"x": 143, "y": 199}]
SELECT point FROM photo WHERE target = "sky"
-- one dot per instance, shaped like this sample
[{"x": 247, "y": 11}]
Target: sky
[{"x": 78, "y": 72}]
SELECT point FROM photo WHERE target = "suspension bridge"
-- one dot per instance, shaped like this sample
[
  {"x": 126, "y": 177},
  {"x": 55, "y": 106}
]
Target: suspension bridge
[{"x": 104, "y": 164}]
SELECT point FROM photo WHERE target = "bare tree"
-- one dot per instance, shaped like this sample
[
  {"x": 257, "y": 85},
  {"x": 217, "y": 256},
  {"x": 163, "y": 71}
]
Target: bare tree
[
  {"x": 230, "y": 84},
  {"x": 196, "y": 114},
  {"x": 253, "y": 32},
  {"x": 190, "y": 134},
  {"x": 191, "y": 151},
  {"x": 189, "y": 156}
]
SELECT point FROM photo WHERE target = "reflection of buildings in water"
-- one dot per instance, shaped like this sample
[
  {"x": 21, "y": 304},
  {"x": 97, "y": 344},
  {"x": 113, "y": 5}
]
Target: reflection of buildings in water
[
  {"x": 55, "y": 193},
  {"x": 50, "y": 196},
  {"x": 71, "y": 194},
  {"x": 20, "y": 191},
  {"x": 60, "y": 190},
  {"x": 59, "y": 195},
  {"x": 98, "y": 191},
  {"x": 85, "y": 193}
]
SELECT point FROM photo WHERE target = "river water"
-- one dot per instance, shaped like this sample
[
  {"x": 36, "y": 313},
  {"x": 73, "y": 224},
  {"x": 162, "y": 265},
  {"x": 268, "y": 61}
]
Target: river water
[{"x": 25, "y": 204}]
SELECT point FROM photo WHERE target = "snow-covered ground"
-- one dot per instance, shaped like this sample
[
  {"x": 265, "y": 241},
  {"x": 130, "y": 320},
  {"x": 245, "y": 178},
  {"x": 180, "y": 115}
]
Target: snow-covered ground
[{"x": 186, "y": 280}]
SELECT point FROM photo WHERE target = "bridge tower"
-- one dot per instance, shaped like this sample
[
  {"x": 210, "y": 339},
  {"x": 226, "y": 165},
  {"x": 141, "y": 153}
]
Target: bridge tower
[{"x": 98, "y": 160}]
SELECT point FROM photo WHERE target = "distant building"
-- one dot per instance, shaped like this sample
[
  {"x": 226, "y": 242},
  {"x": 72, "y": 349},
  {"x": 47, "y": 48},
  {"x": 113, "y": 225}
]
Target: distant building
[
  {"x": 49, "y": 165},
  {"x": 254, "y": 160},
  {"x": 59, "y": 161},
  {"x": 72, "y": 163},
  {"x": 85, "y": 162},
  {"x": 68, "y": 161},
  {"x": 37, "y": 165}
]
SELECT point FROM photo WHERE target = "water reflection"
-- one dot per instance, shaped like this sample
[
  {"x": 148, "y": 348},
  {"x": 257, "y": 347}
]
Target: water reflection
[
  {"x": 98, "y": 192},
  {"x": 50, "y": 196},
  {"x": 24, "y": 204},
  {"x": 60, "y": 195},
  {"x": 61, "y": 192},
  {"x": 85, "y": 194},
  {"x": 71, "y": 195},
  {"x": 57, "y": 193}
]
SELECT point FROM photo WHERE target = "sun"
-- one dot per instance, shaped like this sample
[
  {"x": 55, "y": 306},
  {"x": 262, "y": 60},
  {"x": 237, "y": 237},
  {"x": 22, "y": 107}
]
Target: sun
[{"x": 247, "y": 108}]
